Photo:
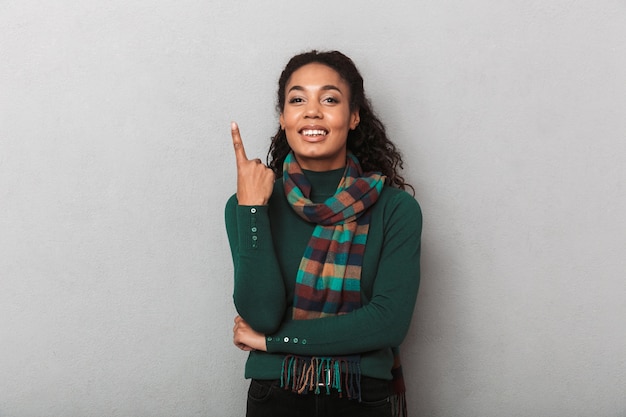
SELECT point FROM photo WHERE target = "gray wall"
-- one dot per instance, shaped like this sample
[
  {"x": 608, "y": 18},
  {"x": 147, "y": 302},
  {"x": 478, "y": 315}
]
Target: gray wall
[{"x": 115, "y": 164}]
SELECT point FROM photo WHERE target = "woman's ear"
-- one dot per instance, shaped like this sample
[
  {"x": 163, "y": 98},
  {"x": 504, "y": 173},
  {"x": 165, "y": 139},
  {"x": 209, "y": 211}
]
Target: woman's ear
[
  {"x": 281, "y": 120},
  {"x": 355, "y": 118}
]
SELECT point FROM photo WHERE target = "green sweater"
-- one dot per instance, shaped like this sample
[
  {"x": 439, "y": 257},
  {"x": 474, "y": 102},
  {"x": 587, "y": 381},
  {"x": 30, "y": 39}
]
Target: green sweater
[{"x": 267, "y": 243}]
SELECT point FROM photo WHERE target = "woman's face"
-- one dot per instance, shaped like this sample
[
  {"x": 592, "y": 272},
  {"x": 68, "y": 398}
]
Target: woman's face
[{"x": 317, "y": 117}]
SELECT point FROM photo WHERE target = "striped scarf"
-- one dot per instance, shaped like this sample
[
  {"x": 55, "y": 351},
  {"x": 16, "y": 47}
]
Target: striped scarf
[{"x": 328, "y": 282}]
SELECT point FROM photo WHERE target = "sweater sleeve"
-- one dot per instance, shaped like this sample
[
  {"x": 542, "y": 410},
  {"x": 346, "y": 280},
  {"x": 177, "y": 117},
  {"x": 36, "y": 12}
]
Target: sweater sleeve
[
  {"x": 259, "y": 291},
  {"x": 384, "y": 321}
]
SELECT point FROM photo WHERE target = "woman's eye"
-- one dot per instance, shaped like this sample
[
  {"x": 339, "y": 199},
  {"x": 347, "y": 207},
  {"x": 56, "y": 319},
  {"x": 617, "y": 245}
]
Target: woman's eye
[
  {"x": 295, "y": 100},
  {"x": 331, "y": 100}
]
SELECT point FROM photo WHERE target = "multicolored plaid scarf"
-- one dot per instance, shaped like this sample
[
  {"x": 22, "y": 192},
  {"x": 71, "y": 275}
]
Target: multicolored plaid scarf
[{"x": 328, "y": 281}]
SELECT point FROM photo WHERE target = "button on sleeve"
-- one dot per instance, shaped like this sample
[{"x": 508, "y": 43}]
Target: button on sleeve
[{"x": 255, "y": 221}]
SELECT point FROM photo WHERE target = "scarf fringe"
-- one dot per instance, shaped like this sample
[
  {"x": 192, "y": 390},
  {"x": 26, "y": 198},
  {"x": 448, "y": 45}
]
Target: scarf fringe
[
  {"x": 398, "y": 405},
  {"x": 316, "y": 374}
]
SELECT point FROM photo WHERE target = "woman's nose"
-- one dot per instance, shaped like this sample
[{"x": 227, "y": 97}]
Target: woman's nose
[{"x": 313, "y": 110}]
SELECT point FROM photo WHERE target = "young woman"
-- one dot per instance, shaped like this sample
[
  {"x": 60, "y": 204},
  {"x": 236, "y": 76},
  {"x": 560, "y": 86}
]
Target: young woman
[{"x": 326, "y": 245}]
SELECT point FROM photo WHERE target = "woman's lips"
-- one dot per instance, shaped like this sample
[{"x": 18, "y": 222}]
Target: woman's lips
[{"x": 313, "y": 134}]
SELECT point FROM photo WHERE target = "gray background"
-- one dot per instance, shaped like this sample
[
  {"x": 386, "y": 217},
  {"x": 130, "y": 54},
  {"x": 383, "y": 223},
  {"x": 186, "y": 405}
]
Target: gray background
[{"x": 115, "y": 164}]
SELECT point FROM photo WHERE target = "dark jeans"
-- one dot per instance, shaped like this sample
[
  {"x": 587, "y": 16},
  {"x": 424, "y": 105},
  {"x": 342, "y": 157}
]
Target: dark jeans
[{"x": 267, "y": 399}]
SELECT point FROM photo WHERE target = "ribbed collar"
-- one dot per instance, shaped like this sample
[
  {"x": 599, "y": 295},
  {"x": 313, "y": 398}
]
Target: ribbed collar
[{"x": 323, "y": 184}]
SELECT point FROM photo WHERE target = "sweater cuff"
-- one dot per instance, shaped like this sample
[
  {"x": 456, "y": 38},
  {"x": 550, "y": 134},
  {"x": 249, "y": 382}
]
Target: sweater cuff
[
  {"x": 278, "y": 343},
  {"x": 254, "y": 230}
]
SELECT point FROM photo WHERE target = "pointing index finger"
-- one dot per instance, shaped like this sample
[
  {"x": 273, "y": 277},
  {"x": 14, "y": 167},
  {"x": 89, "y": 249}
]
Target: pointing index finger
[{"x": 240, "y": 152}]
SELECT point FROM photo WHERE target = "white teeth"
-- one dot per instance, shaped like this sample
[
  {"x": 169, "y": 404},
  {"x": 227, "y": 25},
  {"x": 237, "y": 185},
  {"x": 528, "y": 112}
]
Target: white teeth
[{"x": 314, "y": 132}]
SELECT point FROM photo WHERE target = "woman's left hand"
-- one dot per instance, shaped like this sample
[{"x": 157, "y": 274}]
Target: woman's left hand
[{"x": 246, "y": 338}]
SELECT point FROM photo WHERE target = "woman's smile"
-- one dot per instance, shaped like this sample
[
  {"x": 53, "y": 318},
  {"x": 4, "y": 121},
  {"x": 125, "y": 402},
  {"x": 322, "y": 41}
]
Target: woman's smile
[{"x": 313, "y": 133}]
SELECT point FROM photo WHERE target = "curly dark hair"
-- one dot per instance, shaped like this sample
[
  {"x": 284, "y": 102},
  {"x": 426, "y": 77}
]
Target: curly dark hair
[{"x": 368, "y": 142}]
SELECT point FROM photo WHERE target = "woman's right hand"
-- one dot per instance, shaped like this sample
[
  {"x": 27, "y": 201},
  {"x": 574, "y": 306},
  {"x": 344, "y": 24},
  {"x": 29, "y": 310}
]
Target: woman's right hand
[
  {"x": 255, "y": 181},
  {"x": 246, "y": 338}
]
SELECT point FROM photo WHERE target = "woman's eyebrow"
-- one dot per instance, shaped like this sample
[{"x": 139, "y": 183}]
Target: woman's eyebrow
[{"x": 323, "y": 88}]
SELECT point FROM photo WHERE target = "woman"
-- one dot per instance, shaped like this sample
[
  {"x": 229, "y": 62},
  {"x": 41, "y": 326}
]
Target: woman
[{"x": 325, "y": 245}]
